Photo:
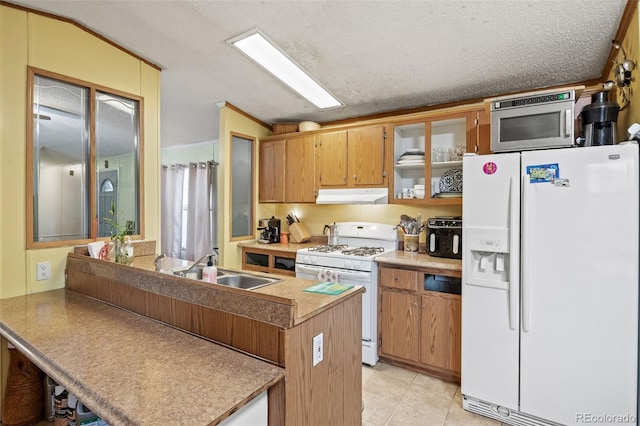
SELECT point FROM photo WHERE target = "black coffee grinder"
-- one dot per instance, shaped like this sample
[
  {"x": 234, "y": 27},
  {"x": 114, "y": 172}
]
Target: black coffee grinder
[
  {"x": 599, "y": 121},
  {"x": 270, "y": 230}
]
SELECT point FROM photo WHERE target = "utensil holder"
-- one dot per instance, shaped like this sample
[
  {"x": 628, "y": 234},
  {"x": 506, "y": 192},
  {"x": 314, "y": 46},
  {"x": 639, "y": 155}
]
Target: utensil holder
[{"x": 411, "y": 243}]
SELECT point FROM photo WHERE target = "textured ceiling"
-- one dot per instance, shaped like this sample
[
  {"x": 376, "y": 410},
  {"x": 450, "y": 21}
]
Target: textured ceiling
[{"x": 374, "y": 56}]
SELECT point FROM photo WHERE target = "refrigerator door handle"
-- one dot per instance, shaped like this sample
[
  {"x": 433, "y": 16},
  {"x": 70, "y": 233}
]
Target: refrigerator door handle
[
  {"x": 514, "y": 273},
  {"x": 526, "y": 316}
]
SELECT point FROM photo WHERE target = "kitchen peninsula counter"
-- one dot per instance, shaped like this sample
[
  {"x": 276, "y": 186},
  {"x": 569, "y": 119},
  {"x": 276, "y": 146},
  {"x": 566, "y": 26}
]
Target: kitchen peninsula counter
[
  {"x": 275, "y": 323},
  {"x": 130, "y": 369},
  {"x": 307, "y": 304}
]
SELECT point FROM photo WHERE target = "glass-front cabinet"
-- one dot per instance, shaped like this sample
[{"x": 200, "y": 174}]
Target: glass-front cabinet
[{"x": 427, "y": 158}]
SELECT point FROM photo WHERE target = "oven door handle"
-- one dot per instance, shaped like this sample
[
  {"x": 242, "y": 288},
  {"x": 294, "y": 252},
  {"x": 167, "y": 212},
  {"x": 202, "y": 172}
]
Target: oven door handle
[
  {"x": 359, "y": 276},
  {"x": 313, "y": 270}
]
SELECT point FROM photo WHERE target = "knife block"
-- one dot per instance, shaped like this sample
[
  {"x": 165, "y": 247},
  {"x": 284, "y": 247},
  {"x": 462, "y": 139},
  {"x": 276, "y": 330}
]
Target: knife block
[{"x": 299, "y": 233}]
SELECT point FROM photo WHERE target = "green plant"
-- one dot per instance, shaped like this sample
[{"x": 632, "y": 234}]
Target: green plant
[
  {"x": 118, "y": 232},
  {"x": 122, "y": 249}
]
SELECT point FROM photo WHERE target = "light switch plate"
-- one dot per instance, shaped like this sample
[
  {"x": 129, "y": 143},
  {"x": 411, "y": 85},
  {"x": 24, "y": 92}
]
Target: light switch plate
[
  {"x": 317, "y": 349},
  {"x": 43, "y": 271}
]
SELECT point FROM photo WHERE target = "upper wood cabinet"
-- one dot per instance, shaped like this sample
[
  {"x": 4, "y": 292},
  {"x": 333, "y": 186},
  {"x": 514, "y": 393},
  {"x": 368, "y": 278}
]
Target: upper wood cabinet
[
  {"x": 366, "y": 156},
  {"x": 287, "y": 170},
  {"x": 351, "y": 158},
  {"x": 299, "y": 184},
  {"x": 296, "y": 165},
  {"x": 271, "y": 160},
  {"x": 483, "y": 132},
  {"x": 331, "y": 159},
  {"x": 427, "y": 154}
]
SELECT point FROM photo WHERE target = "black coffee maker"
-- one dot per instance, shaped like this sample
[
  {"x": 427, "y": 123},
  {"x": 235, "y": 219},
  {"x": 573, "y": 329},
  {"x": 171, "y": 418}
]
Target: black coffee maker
[
  {"x": 599, "y": 121},
  {"x": 270, "y": 230}
]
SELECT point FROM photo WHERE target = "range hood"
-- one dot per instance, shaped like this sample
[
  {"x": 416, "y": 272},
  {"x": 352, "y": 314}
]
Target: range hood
[{"x": 353, "y": 196}]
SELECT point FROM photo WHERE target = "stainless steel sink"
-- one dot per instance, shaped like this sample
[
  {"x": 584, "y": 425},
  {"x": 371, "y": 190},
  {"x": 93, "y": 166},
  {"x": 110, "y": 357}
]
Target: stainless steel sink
[
  {"x": 245, "y": 281},
  {"x": 229, "y": 278}
]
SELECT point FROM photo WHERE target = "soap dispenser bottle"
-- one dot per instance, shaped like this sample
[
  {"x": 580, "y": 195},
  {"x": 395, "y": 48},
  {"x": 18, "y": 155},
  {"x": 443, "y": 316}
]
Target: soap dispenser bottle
[{"x": 210, "y": 272}]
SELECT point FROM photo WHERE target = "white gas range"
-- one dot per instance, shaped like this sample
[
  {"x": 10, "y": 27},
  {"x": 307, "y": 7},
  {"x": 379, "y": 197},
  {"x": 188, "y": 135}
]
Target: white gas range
[{"x": 351, "y": 261}]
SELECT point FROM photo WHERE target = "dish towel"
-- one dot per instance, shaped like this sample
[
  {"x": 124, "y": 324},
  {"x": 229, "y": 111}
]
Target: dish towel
[{"x": 328, "y": 275}]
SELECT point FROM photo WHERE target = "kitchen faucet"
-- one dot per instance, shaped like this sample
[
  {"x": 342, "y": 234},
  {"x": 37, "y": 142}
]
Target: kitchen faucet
[
  {"x": 193, "y": 267},
  {"x": 158, "y": 262}
]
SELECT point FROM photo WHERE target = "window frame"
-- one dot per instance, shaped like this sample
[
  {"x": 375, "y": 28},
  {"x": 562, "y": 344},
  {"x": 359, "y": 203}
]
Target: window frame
[
  {"x": 252, "y": 229},
  {"x": 92, "y": 173}
]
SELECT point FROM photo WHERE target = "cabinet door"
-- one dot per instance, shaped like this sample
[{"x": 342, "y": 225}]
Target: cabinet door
[
  {"x": 366, "y": 156},
  {"x": 399, "y": 324},
  {"x": 271, "y": 175},
  {"x": 449, "y": 136},
  {"x": 483, "y": 132},
  {"x": 331, "y": 159},
  {"x": 440, "y": 331},
  {"x": 300, "y": 177}
]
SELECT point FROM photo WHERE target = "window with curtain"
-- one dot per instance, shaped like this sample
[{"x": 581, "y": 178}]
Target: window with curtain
[{"x": 189, "y": 210}]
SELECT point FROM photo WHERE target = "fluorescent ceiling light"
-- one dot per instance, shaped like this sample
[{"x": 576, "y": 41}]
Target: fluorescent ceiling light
[{"x": 258, "y": 48}]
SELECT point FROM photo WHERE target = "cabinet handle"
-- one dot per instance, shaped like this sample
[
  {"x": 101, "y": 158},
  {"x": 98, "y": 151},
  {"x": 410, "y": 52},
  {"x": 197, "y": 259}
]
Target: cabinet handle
[
  {"x": 355, "y": 177},
  {"x": 415, "y": 304},
  {"x": 397, "y": 278}
]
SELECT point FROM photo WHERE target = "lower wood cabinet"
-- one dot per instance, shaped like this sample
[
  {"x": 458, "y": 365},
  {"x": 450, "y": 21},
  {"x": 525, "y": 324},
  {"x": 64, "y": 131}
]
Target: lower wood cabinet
[
  {"x": 399, "y": 324},
  {"x": 419, "y": 328},
  {"x": 440, "y": 331},
  {"x": 268, "y": 260}
]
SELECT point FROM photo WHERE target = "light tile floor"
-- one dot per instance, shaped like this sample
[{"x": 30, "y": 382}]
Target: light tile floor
[{"x": 394, "y": 396}]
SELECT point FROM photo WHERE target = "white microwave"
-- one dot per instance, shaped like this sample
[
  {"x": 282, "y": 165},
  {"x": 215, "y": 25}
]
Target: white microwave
[{"x": 536, "y": 120}]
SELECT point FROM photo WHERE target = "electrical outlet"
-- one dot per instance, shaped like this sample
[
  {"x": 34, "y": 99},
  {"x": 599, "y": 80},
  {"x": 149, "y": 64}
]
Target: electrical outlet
[
  {"x": 317, "y": 349},
  {"x": 43, "y": 271}
]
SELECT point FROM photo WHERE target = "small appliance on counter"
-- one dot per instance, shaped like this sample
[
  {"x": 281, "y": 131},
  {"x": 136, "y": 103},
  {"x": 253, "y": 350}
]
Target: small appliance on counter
[
  {"x": 270, "y": 230},
  {"x": 444, "y": 237},
  {"x": 599, "y": 121}
]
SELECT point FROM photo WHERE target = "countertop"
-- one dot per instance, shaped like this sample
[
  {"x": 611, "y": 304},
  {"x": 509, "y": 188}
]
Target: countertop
[
  {"x": 128, "y": 369},
  {"x": 291, "y": 247},
  {"x": 398, "y": 257},
  {"x": 420, "y": 260},
  {"x": 307, "y": 304}
]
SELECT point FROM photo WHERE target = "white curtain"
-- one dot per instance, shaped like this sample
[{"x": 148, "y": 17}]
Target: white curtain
[
  {"x": 171, "y": 210},
  {"x": 200, "y": 210}
]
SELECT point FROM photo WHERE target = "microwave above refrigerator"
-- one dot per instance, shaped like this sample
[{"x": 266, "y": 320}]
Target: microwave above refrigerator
[{"x": 535, "y": 120}]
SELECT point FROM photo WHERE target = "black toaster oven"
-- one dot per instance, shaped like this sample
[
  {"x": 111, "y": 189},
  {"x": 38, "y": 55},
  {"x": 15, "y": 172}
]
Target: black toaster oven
[{"x": 444, "y": 237}]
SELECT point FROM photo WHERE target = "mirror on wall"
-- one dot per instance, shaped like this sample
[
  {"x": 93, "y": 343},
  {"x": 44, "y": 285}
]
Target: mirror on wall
[
  {"x": 241, "y": 186},
  {"x": 117, "y": 174},
  {"x": 60, "y": 155},
  {"x": 84, "y": 156}
]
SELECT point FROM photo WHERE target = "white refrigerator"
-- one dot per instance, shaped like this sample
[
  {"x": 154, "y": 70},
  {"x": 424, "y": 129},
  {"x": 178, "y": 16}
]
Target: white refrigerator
[{"x": 550, "y": 286}]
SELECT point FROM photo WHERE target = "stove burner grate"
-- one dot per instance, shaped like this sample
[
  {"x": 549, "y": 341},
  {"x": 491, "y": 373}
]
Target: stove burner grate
[
  {"x": 328, "y": 248},
  {"x": 363, "y": 251}
]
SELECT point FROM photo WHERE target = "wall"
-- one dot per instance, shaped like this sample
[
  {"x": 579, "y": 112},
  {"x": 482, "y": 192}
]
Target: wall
[
  {"x": 316, "y": 216},
  {"x": 190, "y": 153},
  {"x": 631, "y": 44},
  {"x": 31, "y": 39},
  {"x": 232, "y": 121}
]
